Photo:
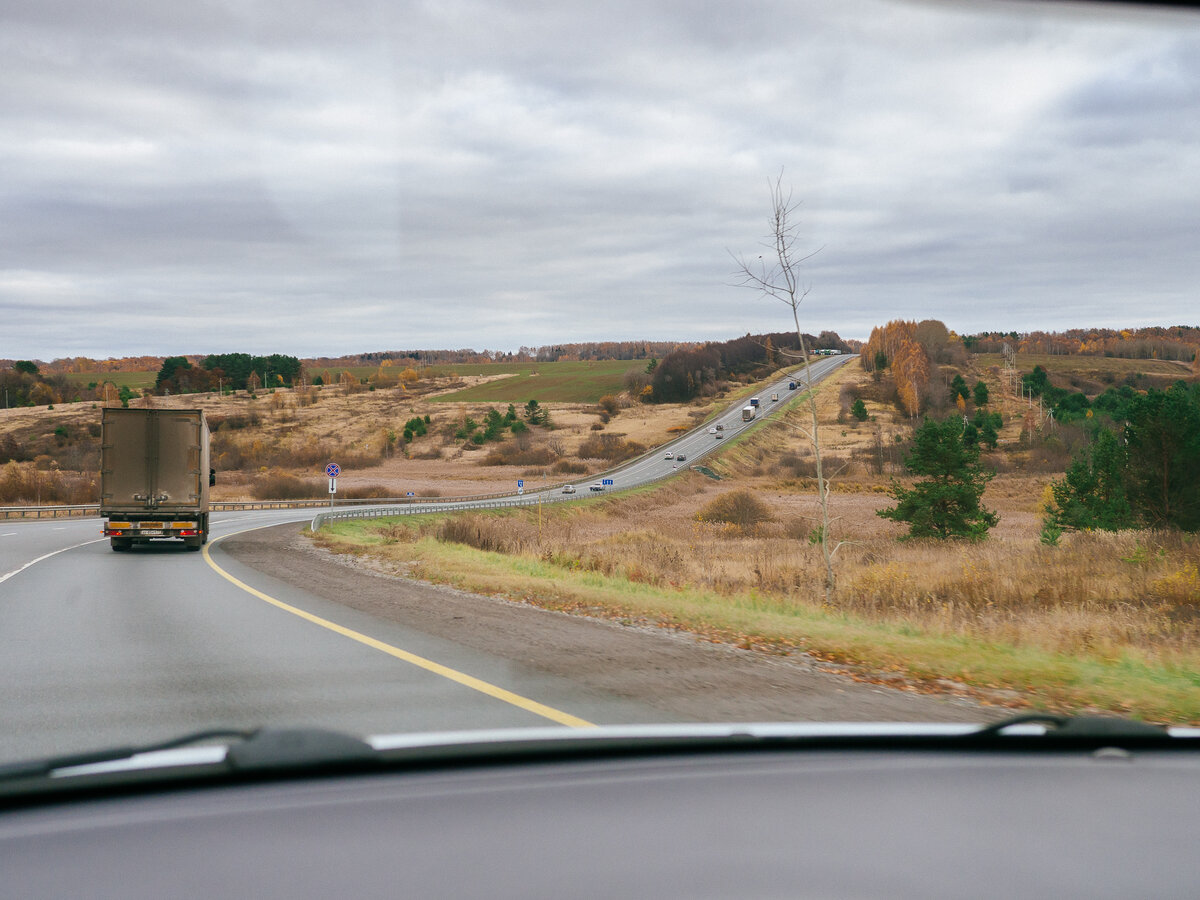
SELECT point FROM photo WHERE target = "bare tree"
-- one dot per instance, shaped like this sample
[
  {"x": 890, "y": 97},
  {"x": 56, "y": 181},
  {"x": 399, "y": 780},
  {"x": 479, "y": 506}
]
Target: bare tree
[{"x": 776, "y": 275}]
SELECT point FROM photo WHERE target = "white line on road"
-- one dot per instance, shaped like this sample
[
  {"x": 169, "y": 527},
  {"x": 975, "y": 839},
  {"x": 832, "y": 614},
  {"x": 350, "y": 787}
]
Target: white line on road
[{"x": 8, "y": 575}]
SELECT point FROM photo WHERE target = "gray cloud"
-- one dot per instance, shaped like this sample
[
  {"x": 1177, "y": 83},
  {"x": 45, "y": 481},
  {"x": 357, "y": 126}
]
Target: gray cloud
[{"x": 315, "y": 178}]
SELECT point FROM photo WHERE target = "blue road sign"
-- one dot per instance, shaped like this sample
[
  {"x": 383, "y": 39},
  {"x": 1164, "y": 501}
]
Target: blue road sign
[
  {"x": 608, "y": 481},
  {"x": 410, "y": 494},
  {"x": 520, "y": 482},
  {"x": 333, "y": 470}
]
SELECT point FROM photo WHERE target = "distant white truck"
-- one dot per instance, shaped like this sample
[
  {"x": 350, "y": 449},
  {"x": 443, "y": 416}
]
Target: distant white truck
[{"x": 748, "y": 413}]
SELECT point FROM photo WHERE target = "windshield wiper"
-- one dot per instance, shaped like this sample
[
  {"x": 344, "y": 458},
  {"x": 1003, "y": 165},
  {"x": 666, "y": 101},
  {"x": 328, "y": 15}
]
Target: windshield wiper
[
  {"x": 286, "y": 752},
  {"x": 34, "y": 768},
  {"x": 258, "y": 750},
  {"x": 1084, "y": 727}
]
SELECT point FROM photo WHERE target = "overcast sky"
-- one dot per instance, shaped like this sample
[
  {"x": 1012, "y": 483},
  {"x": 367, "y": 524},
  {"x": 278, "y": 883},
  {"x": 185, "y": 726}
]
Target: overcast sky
[{"x": 322, "y": 178}]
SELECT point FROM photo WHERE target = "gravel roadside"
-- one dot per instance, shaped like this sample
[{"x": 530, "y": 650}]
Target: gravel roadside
[{"x": 687, "y": 678}]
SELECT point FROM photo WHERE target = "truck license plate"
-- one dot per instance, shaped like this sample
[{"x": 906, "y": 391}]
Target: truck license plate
[{"x": 150, "y": 531}]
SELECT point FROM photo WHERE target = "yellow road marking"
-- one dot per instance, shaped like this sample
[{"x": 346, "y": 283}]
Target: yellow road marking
[{"x": 499, "y": 693}]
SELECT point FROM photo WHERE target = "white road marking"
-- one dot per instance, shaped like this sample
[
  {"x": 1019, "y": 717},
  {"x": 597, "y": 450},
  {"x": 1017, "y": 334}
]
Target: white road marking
[{"x": 8, "y": 575}]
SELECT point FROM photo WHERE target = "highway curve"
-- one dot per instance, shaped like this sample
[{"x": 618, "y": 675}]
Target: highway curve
[{"x": 100, "y": 648}]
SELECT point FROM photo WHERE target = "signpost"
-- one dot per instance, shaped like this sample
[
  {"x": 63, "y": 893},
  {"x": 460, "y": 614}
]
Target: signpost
[{"x": 333, "y": 470}]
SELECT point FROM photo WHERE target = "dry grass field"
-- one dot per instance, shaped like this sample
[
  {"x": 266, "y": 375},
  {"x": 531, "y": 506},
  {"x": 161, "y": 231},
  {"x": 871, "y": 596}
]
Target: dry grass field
[
  {"x": 285, "y": 438},
  {"x": 1105, "y": 621}
]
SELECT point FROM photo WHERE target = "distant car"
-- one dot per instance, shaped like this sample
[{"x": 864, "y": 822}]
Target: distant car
[
  {"x": 568, "y": 489},
  {"x": 680, "y": 457},
  {"x": 718, "y": 435},
  {"x": 668, "y": 455},
  {"x": 596, "y": 487},
  {"x": 712, "y": 431},
  {"x": 720, "y": 427}
]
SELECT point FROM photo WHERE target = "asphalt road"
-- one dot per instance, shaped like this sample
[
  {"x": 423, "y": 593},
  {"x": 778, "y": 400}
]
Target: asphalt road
[
  {"x": 697, "y": 444},
  {"x": 652, "y": 466},
  {"x": 100, "y": 648}
]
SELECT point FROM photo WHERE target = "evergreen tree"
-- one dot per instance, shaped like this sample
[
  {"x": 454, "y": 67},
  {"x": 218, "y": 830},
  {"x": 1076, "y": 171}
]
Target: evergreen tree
[
  {"x": 981, "y": 393},
  {"x": 170, "y": 364},
  {"x": 1092, "y": 493},
  {"x": 947, "y": 504},
  {"x": 1163, "y": 436}
]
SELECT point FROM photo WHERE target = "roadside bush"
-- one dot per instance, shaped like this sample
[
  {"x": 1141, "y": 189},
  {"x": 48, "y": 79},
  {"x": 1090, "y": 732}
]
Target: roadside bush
[
  {"x": 366, "y": 492},
  {"x": 741, "y": 508},
  {"x": 495, "y": 535},
  {"x": 281, "y": 486},
  {"x": 569, "y": 467},
  {"x": 11, "y": 450},
  {"x": 25, "y": 485},
  {"x": 806, "y": 466},
  {"x": 609, "y": 446},
  {"x": 512, "y": 455}
]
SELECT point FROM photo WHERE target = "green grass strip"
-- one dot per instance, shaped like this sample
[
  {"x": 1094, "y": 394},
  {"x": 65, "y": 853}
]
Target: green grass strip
[{"x": 1041, "y": 678}]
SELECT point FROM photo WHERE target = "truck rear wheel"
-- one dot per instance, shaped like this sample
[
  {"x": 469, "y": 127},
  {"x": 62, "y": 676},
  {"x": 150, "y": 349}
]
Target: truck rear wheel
[
  {"x": 193, "y": 543},
  {"x": 121, "y": 543}
]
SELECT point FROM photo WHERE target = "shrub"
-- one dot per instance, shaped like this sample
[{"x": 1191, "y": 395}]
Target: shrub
[
  {"x": 28, "y": 485},
  {"x": 496, "y": 535},
  {"x": 610, "y": 447},
  {"x": 281, "y": 486},
  {"x": 740, "y": 508},
  {"x": 569, "y": 467},
  {"x": 512, "y": 455},
  {"x": 366, "y": 492}
]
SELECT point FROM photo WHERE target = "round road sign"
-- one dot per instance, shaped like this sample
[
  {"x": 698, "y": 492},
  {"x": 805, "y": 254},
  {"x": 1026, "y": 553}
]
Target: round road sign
[{"x": 333, "y": 470}]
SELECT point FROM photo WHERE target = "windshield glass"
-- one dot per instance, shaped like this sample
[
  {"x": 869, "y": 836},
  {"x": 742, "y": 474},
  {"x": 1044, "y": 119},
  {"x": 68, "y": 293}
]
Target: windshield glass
[{"x": 509, "y": 364}]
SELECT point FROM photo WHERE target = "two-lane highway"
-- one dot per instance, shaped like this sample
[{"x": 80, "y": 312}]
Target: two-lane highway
[
  {"x": 697, "y": 444},
  {"x": 98, "y": 647},
  {"x": 102, "y": 648}
]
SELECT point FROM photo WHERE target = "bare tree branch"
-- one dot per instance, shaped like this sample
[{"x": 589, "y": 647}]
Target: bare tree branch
[{"x": 775, "y": 274}]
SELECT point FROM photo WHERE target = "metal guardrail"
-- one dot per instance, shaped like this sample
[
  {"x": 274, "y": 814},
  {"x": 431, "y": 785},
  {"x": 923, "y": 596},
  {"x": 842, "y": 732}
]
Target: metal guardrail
[
  {"x": 441, "y": 505},
  {"x": 93, "y": 509},
  {"x": 48, "y": 512},
  {"x": 548, "y": 494},
  {"x": 375, "y": 507}
]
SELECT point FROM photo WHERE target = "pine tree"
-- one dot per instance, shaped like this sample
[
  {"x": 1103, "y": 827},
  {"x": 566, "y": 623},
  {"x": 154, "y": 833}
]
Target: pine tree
[{"x": 947, "y": 504}]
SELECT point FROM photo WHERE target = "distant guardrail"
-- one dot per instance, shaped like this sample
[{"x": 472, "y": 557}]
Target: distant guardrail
[
  {"x": 48, "y": 512},
  {"x": 375, "y": 507},
  {"x": 429, "y": 504},
  {"x": 84, "y": 510}
]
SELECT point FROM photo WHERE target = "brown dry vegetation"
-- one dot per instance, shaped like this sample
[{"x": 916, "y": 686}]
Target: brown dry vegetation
[
  {"x": 1129, "y": 598},
  {"x": 276, "y": 445},
  {"x": 1105, "y": 595}
]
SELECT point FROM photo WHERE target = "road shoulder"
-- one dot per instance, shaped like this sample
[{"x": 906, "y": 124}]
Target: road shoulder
[{"x": 685, "y": 677}]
